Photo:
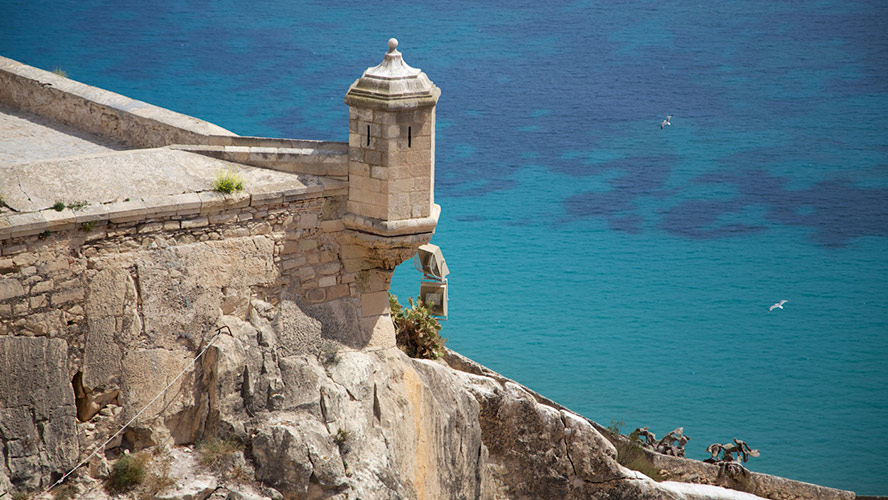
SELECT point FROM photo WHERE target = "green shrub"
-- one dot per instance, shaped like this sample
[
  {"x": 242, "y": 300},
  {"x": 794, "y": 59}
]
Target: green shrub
[
  {"x": 228, "y": 181},
  {"x": 60, "y": 72},
  {"x": 416, "y": 329},
  {"x": 75, "y": 206},
  {"x": 58, "y": 206},
  {"x": 128, "y": 472},
  {"x": 616, "y": 427}
]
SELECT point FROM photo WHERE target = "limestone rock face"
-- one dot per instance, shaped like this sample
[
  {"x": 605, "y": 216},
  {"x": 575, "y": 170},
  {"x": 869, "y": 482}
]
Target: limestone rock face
[
  {"x": 380, "y": 425},
  {"x": 37, "y": 433}
]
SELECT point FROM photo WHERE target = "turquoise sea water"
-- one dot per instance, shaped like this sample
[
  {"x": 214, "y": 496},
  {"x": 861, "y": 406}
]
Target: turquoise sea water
[{"x": 620, "y": 269}]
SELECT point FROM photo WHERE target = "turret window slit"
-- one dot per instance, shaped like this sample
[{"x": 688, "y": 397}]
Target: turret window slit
[
  {"x": 409, "y": 135},
  {"x": 368, "y": 135}
]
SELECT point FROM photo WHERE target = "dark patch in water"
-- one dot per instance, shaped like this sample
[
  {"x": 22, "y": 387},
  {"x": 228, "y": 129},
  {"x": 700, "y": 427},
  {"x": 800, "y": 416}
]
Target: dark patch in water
[
  {"x": 836, "y": 210},
  {"x": 642, "y": 176},
  {"x": 470, "y": 218},
  {"x": 697, "y": 218}
]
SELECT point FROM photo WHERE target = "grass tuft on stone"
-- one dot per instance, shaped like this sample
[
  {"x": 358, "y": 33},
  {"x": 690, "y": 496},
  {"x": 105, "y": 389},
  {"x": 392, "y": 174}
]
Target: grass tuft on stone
[
  {"x": 630, "y": 453},
  {"x": 228, "y": 181},
  {"x": 76, "y": 206}
]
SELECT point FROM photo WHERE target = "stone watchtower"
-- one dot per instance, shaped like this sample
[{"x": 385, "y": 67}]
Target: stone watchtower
[
  {"x": 391, "y": 175},
  {"x": 391, "y": 141}
]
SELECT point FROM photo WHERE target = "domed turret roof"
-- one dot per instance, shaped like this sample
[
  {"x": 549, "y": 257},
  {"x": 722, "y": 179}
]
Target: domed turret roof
[{"x": 393, "y": 85}]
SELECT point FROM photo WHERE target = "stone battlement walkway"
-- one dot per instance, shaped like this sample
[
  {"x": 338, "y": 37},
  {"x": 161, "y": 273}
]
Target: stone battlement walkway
[
  {"x": 43, "y": 163},
  {"x": 26, "y": 137}
]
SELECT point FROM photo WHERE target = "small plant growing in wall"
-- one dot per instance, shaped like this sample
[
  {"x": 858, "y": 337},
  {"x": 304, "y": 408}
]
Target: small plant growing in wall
[
  {"x": 60, "y": 72},
  {"x": 58, "y": 206},
  {"x": 416, "y": 329},
  {"x": 76, "y": 206},
  {"x": 341, "y": 437},
  {"x": 228, "y": 181}
]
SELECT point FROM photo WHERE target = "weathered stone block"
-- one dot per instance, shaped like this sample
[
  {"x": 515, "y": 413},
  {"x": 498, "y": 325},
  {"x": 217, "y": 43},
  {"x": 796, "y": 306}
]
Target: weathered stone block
[
  {"x": 37, "y": 301},
  {"x": 10, "y": 288},
  {"x": 222, "y": 218},
  {"x": 67, "y": 296},
  {"x": 308, "y": 244},
  {"x": 331, "y": 226},
  {"x": 150, "y": 227},
  {"x": 13, "y": 249},
  {"x": 195, "y": 223}
]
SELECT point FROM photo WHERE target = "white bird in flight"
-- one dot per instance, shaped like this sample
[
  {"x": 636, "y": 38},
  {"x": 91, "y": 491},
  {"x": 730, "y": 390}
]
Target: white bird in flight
[
  {"x": 665, "y": 122},
  {"x": 778, "y": 305}
]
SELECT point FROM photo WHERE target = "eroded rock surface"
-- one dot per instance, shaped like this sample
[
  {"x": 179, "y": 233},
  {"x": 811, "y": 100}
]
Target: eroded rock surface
[{"x": 37, "y": 433}]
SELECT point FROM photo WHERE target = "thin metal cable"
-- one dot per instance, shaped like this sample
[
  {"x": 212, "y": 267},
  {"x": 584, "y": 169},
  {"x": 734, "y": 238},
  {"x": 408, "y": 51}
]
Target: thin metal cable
[{"x": 102, "y": 446}]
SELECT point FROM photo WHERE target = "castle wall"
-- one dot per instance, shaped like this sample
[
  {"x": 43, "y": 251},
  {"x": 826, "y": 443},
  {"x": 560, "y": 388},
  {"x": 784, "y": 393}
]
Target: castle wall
[
  {"x": 98, "y": 111},
  {"x": 47, "y": 274},
  {"x": 128, "y": 303}
]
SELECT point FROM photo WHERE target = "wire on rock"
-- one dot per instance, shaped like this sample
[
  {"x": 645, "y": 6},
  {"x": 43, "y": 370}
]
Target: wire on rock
[{"x": 159, "y": 394}]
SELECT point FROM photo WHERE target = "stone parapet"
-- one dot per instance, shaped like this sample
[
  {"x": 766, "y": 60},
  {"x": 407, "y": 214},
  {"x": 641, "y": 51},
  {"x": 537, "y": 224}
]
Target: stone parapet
[
  {"x": 328, "y": 159},
  {"x": 44, "y": 277},
  {"x": 98, "y": 111},
  {"x": 142, "y": 125}
]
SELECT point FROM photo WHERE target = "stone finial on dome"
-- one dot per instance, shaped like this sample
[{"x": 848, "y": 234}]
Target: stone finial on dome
[{"x": 393, "y": 85}]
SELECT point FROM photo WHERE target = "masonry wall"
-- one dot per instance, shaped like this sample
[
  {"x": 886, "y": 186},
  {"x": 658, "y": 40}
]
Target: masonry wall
[
  {"x": 44, "y": 275},
  {"x": 97, "y": 110}
]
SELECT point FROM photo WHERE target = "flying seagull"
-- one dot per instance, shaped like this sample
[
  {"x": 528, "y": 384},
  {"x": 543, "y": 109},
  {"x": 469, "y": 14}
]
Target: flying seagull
[
  {"x": 778, "y": 305},
  {"x": 665, "y": 122}
]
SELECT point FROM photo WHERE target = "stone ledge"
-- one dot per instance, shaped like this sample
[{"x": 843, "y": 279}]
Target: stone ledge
[
  {"x": 204, "y": 203},
  {"x": 393, "y": 228}
]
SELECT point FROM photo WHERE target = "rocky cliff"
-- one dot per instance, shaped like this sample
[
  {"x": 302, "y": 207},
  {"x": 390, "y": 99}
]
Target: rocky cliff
[{"x": 335, "y": 423}]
